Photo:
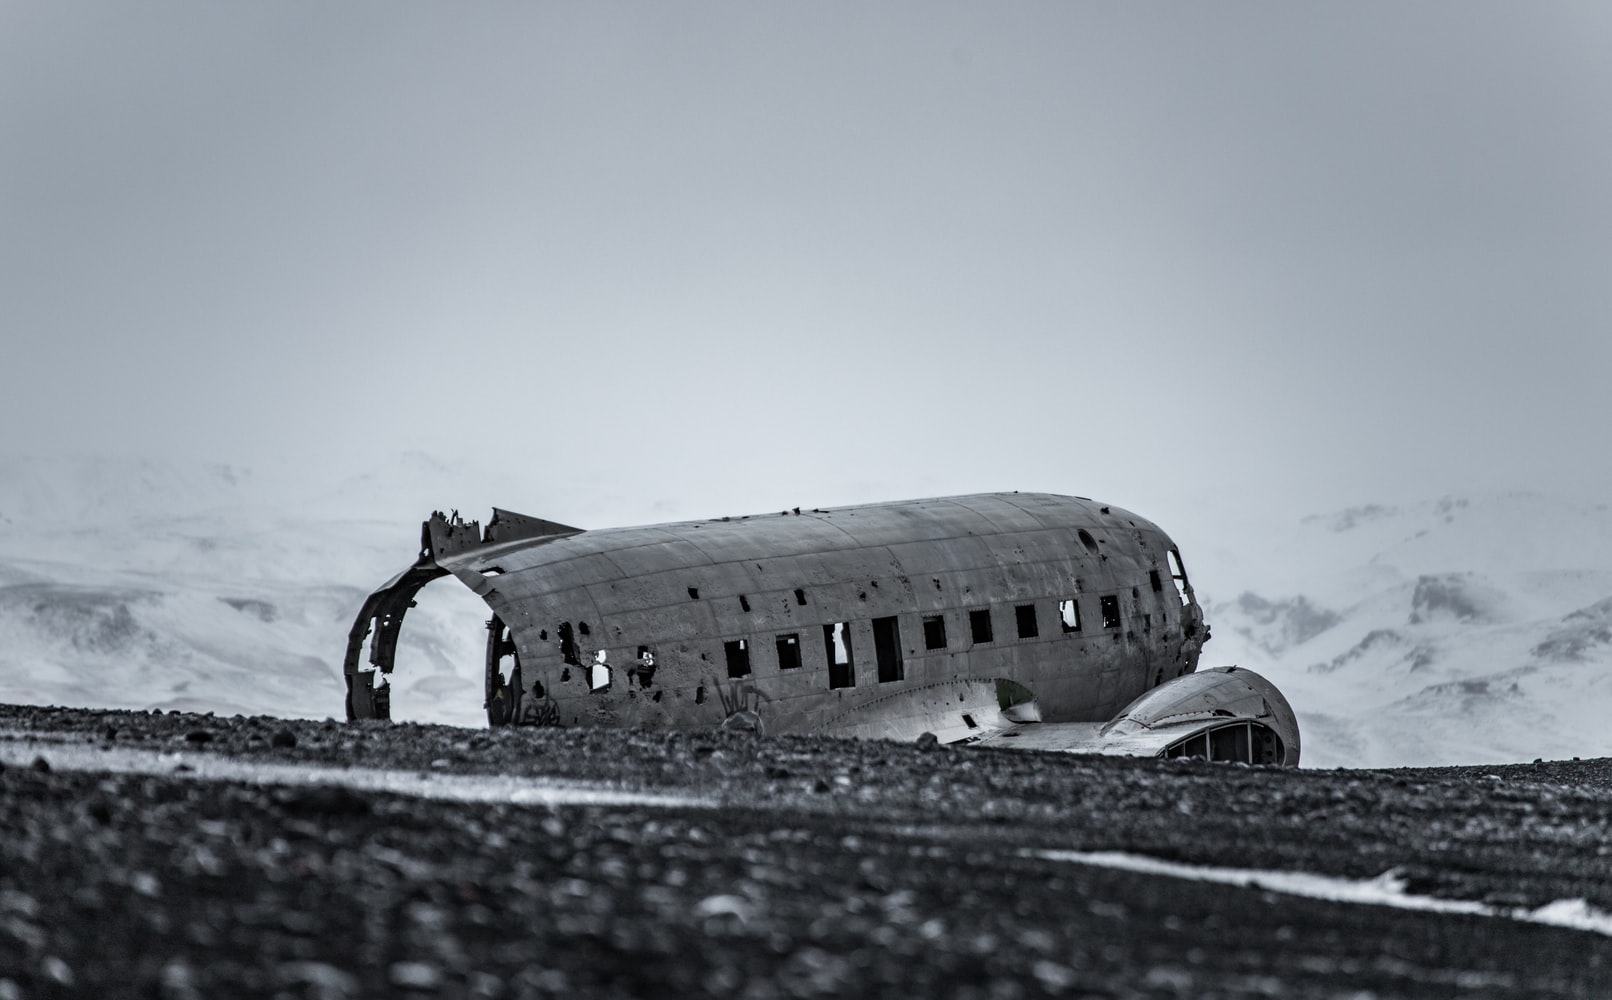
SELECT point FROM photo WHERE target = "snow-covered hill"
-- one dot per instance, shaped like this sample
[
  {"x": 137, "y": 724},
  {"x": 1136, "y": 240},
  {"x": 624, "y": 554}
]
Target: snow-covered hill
[
  {"x": 144, "y": 584},
  {"x": 1460, "y": 630}
]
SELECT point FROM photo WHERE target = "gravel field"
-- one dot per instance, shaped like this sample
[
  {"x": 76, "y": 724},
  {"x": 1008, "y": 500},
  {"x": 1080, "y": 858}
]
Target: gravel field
[{"x": 731, "y": 865}]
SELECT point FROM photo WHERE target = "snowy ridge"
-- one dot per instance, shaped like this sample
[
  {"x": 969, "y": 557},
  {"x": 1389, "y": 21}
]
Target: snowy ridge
[
  {"x": 1461, "y": 630},
  {"x": 164, "y": 585}
]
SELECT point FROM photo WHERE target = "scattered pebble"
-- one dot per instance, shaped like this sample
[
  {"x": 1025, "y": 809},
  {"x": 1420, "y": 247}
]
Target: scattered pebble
[
  {"x": 57, "y": 970},
  {"x": 414, "y": 975},
  {"x": 725, "y": 905},
  {"x": 922, "y": 872},
  {"x": 327, "y": 981}
]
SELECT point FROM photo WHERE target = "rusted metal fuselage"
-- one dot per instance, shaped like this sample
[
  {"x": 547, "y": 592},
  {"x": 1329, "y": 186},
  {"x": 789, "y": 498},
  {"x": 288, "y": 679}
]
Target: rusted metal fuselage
[{"x": 967, "y": 617}]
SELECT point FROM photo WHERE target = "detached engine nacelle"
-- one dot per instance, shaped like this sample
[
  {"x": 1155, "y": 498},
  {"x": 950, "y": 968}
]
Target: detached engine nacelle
[{"x": 1225, "y": 713}]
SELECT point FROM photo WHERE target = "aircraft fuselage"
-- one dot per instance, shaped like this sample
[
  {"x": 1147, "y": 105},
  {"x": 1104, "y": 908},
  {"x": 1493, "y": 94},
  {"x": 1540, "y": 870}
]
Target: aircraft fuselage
[{"x": 862, "y": 620}]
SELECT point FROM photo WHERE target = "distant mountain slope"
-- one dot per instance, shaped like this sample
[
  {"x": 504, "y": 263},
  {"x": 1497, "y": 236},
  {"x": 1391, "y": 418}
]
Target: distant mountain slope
[
  {"x": 1463, "y": 630},
  {"x": 142, "y": 584}
]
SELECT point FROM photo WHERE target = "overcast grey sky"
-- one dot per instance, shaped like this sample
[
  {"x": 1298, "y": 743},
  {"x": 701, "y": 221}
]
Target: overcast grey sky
[{"x": 780, "y": 253}]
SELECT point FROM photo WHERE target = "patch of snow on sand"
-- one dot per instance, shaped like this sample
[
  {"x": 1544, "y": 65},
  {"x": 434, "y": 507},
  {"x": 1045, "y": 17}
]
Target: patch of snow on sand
[{"x": 1387, "y": 889}]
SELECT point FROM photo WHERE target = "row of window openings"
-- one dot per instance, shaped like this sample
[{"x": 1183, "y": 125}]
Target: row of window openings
[
  {"x": 1155, "y": 582},
  {"x": 886, "y": 632},
  {"x": 887, "y": 640}
]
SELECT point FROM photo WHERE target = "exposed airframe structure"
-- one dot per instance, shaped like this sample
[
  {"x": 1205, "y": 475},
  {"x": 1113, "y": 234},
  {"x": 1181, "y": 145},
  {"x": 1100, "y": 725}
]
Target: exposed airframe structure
[{"x": 1013, "y": 619}]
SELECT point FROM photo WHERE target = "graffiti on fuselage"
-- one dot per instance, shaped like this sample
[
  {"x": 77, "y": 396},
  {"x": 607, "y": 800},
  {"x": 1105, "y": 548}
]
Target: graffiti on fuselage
[
  {"x": 540, "y": 712},
  {"x": 741, "y": 695}
]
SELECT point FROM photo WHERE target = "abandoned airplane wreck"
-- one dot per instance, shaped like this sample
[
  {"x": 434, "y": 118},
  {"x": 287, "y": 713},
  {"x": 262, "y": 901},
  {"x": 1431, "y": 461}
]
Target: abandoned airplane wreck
[{"x": 1011, "y": 619}]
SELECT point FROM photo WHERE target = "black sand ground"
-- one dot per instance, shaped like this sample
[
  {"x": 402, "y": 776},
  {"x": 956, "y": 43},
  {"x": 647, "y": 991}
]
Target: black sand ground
[{"x": 828, "y": 868}]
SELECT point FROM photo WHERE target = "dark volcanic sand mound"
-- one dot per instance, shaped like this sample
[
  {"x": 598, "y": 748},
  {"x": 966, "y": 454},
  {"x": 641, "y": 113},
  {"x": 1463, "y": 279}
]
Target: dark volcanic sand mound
[{"x": 825, "y": 868}]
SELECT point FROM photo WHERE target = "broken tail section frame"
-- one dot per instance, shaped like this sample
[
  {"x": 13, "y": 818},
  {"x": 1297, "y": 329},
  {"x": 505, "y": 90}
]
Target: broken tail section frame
[{"x": 380, "y": 620}]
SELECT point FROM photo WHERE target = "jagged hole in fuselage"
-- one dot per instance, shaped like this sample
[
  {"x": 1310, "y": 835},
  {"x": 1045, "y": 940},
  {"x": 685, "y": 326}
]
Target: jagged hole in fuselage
[{"x": 439, "y": 670}]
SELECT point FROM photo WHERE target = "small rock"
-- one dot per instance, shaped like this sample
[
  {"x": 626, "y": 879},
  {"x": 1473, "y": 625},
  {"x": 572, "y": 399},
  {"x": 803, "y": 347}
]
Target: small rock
[
  {"x": 146, "y": 884},
  {"x": 41, "y": 765},
  {"x": 744, "y": 722},
  {"x": 485, "y": 984},
  {"x": 725, "y": 906},
  {"x": 327, "y": 981},
  {"x": 323, "y": 800},
  {"x": 927, "y": 741},
  {"x": 284, "y": 739},
  {"x": 58, "y": 970},
  {"x": 415, "y": 975},
  {"x": 178, "y": 981},
  {"x": 198, "y": 736},
  {"x": 1055, "y": 978},
  {"x": 12, "y": 901}
]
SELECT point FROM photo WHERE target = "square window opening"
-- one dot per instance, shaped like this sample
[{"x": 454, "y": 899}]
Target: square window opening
[
  {"x": 1109, "y": 606},
  {"x": 1024, "y": 616},
  {"x": 788, "y": 651},
  {"x": 1069, "y": 615},
  {"x": 1178, "y": 573},
  {"x": 837, "y": 647},
  {"x": 887, "y": 649},
  {"x": 979, "y": 625},
  {"x": 738, "y": 656}
]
